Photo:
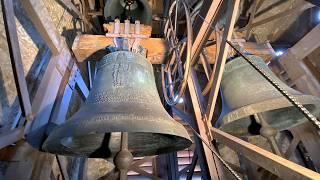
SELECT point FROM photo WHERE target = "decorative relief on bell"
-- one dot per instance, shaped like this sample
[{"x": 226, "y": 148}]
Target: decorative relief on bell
[
  {"x": 124, "y": 98},
  {"x": 137, "y": 96},
  {"x": 120, "y": 79}
]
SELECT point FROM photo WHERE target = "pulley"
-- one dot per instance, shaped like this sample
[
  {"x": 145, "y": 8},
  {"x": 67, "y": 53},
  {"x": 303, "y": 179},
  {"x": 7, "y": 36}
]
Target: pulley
[
  {"x": 124, "y": 98},
  {"x": 246, "y": 93}
]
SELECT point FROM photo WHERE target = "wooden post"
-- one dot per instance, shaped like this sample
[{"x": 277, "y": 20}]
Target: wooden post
[
  {"x": 219, "y": 65},
  {"x": 39, "y": 15},
  {"x": 279, "y": 166},
  {"x": 15, "y": 57}
]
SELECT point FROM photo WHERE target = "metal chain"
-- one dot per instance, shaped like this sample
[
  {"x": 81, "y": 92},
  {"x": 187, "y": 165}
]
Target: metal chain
[
  {"x": 224, "y": 163},
  {"x": 292, "y": 99}
]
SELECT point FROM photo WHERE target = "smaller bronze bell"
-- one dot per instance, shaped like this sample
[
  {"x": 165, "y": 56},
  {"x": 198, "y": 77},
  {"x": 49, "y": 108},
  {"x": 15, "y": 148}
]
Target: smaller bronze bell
[
  {"x": 139, "y": 10},
  {"x": 124, "y": 98},
  {"x": 246, "y": 92}
]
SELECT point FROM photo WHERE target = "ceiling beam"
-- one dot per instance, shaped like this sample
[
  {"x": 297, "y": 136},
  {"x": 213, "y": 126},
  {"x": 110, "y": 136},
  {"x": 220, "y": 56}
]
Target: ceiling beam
[{"x": 304, "y": 47}]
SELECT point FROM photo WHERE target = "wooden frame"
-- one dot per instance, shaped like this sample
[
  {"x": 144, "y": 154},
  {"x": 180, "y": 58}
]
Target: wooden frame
[{"x": 279, "y": 166}]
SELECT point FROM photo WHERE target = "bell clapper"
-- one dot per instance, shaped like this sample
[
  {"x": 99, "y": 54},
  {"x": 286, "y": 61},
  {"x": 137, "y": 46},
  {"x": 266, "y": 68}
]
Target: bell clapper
[
  {"x": 124, "y": 158},
  {"x": 269, "y": 133}
]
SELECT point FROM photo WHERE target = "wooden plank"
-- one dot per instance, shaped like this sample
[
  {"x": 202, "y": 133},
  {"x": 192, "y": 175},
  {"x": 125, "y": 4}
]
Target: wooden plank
[
  {"x": 205, "y": 29},
  {"x": 15, "y": 57},
  {"x": 304, "y": 46},
  {"x": 39, "y": 15},
  {"x": 219, "y": 65},
  {"x": 90, "y": 46},
  {"x": 264, "y": 50},
  {"x": 10, "y": 137},
  {"x": 68, "y": 4},
  {"x": 252, "y": 14},
  {"x": 309, "y": 137},
  {"x": 296, "y": 69},
  {"x": 45, "y": 97},
  {"x": 280, "y": 15},
  {"x": 197, "y": 103},
  {"x": 279, "y": 166}
]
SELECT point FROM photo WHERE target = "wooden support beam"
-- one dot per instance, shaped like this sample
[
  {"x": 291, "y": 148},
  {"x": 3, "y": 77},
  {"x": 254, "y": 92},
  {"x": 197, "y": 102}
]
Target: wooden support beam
[
  {"x": 213, "y": 164},
  {"x": 297, "y": 70},
  {"x": 10, "y": 137},
  {"x": 279, "y": 15},
  {"x": 39, "y": 15},
  {"x": 90, "y": 46},
  {"x": 279, "y": 166},
  {"x": 205, "y": 27},
  {"x": 252, "y": 15},
  {"x": 68, "y": 4},
  {"x": 305, "y": 46},
  {"x": 15, "y": 57},
  {"x": 46, "y": 95},
  {"x": 219, "y": 65},
  {"x": 63, "y": 166}
]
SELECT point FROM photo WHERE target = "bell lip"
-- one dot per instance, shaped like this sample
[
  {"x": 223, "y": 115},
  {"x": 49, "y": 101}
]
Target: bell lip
[
  {"x": 264, "y": 106},
  {"x": 55, "y": 146},
  {"x": 53, "y": 143}
]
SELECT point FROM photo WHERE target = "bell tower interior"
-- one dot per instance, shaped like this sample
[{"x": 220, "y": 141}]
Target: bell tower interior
[{"x": 159, "y": 89}]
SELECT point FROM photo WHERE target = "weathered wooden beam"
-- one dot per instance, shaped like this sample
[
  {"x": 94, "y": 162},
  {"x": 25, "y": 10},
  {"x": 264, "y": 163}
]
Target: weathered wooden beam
[
  {"x": 40, "y": 17},
  {"x": 252, "y": 15},
  {"x": 68, "y": 4},
  {"x": 279, "y": 166},
  {"x": 90, "y": 47},
  {"x": 92, "y": 4},
  {"x": 279, "y": 15},
  {"x": 216, "y": 77},
  {"x": 10, "y": 137},
  {"x": 63, "y": 166},
  {"x": 305, "y": 46},
  {"x": 46, "y": 95},
  {"x": 15, "y": 57},
  {"x": 296, "y": 69},
  {"x": 214, "y": 165},
  {"x": 204, "y": 28}
]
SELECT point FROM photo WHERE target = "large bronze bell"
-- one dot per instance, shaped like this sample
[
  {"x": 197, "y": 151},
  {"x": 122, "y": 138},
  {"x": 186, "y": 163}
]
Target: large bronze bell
[
  {"x": 139, "y": 10},
  {"x": 246, "y": 92},
  {"x": 124, "y": 98}
]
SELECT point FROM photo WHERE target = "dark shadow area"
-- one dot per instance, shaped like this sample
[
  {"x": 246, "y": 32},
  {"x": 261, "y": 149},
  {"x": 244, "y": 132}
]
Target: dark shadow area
[
  {"x": 103, "y": 151},
  {"x": 254, "y": 128},
  {"x": 295, "y": 31}
]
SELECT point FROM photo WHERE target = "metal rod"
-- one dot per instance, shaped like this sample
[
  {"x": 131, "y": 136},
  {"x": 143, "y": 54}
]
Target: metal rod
[
  {"x": 89, "y": 74},
  {"x": 124, "y": 140},
  {"x": 269, "y": 133}
]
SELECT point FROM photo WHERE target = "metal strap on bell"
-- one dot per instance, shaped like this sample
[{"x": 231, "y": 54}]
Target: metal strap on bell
[
  {"x": 246, "y": 93},
  {"x": 124, "y": 98}
]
